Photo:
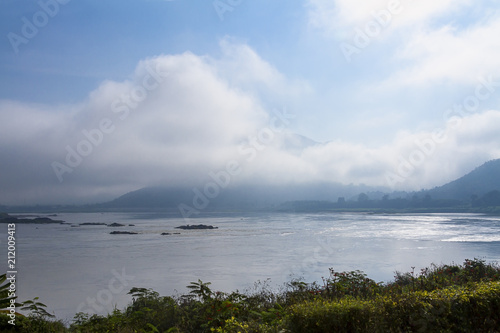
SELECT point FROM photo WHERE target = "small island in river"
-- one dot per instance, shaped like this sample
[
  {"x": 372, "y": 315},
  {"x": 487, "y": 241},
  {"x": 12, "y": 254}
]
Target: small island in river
[
  {"x": 199, "y": 226},
  {"x": 116, "y": 225}
]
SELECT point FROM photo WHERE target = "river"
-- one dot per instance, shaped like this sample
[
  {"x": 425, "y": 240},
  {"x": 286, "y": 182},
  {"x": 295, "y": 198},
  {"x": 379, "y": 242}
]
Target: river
[{"x": 75, "y": 268}]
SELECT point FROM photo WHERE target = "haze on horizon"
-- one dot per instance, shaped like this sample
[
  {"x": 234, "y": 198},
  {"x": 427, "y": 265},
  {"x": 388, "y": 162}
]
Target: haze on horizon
[{"x": 101, "y": 98}]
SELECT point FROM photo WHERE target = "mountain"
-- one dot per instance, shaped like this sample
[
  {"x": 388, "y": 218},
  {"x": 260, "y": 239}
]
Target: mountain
[
  {"x": 212, "y": 196},
  {"x": 478, "y": 182},
  {"x": 295, "y": 143},
  {"x": 248, "y": 197},
  {"x": 151, "y": 197}
]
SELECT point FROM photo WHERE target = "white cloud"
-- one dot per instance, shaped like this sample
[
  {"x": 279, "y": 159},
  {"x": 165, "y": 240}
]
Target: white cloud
[
  {"x": 431, "y": 41},
  {"x": 242, "y": 67},
  {"x": 433, "y": 158},
  {"x": 197, "y": 114},
  {"x": 451, "y": 54},
  {"x": 190, "y": 120},
  {"x": 341, "y": 17}
]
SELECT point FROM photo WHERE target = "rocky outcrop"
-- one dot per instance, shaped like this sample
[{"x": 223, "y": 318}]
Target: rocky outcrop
[
  {"x": 194, "y": 227},
  {"x": 116, "y": 225}
]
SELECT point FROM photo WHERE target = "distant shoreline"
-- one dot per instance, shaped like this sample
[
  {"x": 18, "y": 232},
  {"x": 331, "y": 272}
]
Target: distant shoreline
[
  {"x": 298, "y": 207},
  {"x": 6, "y": 218}
]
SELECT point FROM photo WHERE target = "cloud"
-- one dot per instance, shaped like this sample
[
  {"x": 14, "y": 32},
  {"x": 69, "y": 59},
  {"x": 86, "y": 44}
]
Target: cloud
[
  {"x": 180, "y": 117},
  {"x": 422, "y": 159},
  {"x": 431, "y": 41},
  {"x": 450, "y": 54},
  {"x": 242, "y": 67},
  {"x": 340, "y": 17},
  {"x": 174, "y": 120}
]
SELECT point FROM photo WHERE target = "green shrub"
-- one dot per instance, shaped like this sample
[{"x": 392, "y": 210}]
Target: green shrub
[
  {"x": 445, "y": 298},
  {"x": 353, "y": 283},
  {"x": 345, "y": 315},
  {"x": 436, "y": 277},
  {"x": 475, "y": 308},
  {"x": 31, "y": 324}
]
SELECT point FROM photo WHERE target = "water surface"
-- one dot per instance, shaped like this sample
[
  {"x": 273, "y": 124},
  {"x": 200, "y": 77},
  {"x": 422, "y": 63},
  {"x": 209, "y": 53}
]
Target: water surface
[{"x": 87, "y": 269}]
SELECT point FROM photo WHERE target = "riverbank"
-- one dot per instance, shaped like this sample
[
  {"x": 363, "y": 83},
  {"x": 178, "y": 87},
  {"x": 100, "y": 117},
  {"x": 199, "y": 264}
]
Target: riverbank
[{"x": 452, "y": 297}]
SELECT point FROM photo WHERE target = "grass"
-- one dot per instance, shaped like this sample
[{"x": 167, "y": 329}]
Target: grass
[{"x": 440, "y": 298}]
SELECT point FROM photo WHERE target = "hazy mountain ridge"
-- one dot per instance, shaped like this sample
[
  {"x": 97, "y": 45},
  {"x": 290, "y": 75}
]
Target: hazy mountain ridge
[
  {"x": 320, "y": 196},
  {"x": 481, "y": 180},
  {"x": 479, "y": 188},
  {"x": 241, "y": 197}
]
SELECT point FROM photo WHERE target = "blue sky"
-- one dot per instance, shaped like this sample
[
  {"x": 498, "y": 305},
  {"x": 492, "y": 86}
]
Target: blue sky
[{"x": 371, "y": 82}]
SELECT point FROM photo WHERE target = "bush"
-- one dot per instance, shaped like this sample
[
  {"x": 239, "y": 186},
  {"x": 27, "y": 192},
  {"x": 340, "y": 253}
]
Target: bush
[
  {"x": 475, "y": 308},
  {"x": 445, "y": 298},
  {"x": 354, "y": 283},
  {"x": 345, "y": 315},
  {"x": 31, "y": 324},
  {"x": 436, "y": 277}
]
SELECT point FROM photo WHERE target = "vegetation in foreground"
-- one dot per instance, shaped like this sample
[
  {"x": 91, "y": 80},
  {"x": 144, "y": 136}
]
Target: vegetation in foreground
[{"x": 444, "y": 298}]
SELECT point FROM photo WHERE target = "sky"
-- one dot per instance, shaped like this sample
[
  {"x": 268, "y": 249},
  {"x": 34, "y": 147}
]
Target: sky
[{"x": 98, "y": 98}]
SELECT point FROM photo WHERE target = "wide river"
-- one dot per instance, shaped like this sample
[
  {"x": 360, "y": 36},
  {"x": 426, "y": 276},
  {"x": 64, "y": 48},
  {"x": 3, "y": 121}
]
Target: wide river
[{"x": 85, "y": 268}]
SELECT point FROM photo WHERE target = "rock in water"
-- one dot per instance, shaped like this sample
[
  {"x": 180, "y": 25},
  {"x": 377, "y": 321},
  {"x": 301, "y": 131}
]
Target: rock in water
[
  {"x": 116, "y": 225},
  {"x": 199, "y": 226}
]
